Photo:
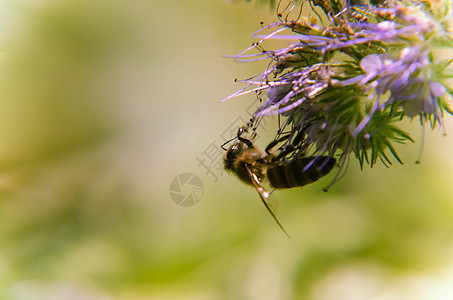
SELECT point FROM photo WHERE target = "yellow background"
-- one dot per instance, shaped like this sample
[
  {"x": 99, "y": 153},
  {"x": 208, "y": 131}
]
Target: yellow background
[{"x": 103, "y": 103}]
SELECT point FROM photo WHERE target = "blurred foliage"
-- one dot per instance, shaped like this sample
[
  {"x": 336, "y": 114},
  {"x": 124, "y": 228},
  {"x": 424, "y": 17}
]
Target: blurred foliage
[{"x": 93, "y": 130}]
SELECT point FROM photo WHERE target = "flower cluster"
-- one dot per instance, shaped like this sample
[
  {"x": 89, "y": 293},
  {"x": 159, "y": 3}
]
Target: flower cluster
[{"x": 349, "y": 75}]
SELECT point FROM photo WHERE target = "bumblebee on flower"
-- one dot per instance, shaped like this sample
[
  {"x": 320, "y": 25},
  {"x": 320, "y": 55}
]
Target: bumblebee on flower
[{"x": 343, "y": 85}]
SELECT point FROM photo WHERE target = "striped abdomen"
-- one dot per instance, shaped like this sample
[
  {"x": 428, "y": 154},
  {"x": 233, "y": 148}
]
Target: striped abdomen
[{"x": 294, "y": 173}]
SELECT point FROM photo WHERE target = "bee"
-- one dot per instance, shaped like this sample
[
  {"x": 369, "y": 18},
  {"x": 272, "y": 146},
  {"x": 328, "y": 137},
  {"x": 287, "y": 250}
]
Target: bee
[{"x": 253, "y": 166}]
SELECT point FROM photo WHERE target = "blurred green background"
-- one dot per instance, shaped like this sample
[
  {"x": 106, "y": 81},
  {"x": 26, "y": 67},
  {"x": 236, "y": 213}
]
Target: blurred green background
[{"x": 103, "y": 103}]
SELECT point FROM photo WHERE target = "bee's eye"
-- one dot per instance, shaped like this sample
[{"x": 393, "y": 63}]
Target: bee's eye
[
  {"x": 231, "y": 156},
  {"x": 232, "y": 153}
]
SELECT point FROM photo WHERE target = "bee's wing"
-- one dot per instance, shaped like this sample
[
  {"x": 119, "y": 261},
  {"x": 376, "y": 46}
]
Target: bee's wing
[
  {"x": 269, "y": 201},
  {"x": 273, "y": 203}
]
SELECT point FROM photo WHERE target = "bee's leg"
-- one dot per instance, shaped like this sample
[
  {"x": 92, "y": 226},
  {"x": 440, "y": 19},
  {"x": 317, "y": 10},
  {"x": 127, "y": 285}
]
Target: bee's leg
[
  {"x": 245, "y": 141},
  {"x": 294, "y": 134},
  {"x": 275, "y": 142},
  {"x": 296, "y": 144}
]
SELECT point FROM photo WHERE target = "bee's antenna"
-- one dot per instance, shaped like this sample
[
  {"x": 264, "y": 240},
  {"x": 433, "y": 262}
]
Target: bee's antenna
[{"x": 227, "y": 143}]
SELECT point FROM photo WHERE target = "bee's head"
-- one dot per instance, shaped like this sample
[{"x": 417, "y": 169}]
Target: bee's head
[
  {"x": 236, "y": 149},
  {"x": 232, "y": 154}
]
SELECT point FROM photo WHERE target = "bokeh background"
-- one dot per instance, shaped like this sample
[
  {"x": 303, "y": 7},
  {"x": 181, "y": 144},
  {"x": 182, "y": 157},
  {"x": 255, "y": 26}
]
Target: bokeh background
[{"x": 104, "y": 103}]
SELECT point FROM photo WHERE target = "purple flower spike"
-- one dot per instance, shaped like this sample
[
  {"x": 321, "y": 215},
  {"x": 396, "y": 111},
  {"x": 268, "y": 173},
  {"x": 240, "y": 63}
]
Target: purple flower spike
[{"x": 341, "y": 87}]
